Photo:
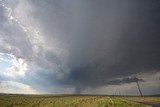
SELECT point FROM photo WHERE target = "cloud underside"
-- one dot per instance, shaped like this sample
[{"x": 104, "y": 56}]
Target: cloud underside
[{"x": 81, "y": 44}]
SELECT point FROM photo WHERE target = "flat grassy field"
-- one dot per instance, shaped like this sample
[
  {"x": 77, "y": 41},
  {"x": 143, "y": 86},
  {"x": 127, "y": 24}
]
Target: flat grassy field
[{"x": 10, "y": 100}]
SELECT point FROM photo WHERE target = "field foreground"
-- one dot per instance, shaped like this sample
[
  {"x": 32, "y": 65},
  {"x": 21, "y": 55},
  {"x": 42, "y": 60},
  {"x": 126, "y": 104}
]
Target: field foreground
[{"x": 11, "y": 100}]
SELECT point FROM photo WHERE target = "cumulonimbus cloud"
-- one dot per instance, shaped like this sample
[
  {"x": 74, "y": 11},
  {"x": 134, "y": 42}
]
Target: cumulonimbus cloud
[{"x": 85, "y": 43}]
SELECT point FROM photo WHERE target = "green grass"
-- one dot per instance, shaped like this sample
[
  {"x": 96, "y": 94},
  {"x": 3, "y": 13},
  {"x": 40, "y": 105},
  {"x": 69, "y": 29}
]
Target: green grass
[{"x": 65, "y": 101}]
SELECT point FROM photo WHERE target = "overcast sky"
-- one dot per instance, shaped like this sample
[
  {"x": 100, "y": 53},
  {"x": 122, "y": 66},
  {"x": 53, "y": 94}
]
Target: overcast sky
[{"x": 80, "y": 46}]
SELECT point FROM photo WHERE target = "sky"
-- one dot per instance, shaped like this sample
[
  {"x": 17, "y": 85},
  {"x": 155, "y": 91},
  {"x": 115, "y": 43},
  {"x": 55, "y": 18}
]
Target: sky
[{"x": 80, "y": 47}]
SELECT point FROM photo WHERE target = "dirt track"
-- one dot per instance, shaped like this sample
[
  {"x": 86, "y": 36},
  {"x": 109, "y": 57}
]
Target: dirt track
[
  {"x": 146, "y": 102},
  {"x": 151, "y": 103}
]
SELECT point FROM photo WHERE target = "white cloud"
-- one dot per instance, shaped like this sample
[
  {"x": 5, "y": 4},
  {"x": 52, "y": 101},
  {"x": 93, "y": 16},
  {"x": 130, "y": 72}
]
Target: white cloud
[
  {"x": 16, "y": 87},
  {"x": 19, "y": 67}
]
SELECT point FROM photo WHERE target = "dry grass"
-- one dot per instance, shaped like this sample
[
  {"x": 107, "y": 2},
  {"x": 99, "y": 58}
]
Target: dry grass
[{"x": 64, "y": 101}]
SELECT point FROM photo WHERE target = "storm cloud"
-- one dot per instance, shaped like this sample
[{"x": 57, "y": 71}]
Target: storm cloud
[{"x": 82, "y": 44}]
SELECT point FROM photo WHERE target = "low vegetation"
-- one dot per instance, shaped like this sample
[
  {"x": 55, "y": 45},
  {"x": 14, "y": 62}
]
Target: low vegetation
[{"x": 65, "y": 101}]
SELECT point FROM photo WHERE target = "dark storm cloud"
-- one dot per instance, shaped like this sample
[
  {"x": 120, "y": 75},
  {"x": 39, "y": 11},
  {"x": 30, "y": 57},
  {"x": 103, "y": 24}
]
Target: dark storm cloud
[
  {"x": 105, "y": 39},
  {"x": 102, "y": 40},
  {"x": 123, "y": 81}
]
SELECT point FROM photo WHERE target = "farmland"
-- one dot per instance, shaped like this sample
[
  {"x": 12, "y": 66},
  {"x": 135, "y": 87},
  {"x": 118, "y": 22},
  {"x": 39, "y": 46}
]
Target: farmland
[{"x": 11, "y": 100}]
